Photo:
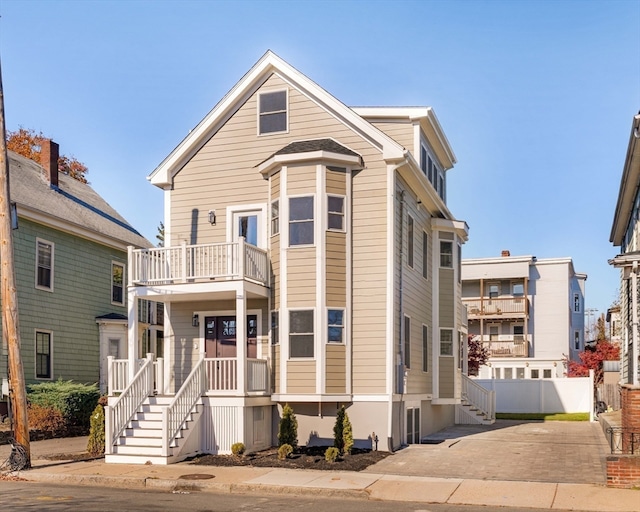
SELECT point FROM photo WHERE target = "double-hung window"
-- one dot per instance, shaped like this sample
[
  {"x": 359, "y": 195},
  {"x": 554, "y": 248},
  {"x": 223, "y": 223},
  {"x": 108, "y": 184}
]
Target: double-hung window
[
  {"x": 446, "y": 342},
  {"x": 425, "y": 348},
  {"x": 576, "y": 303},
  {"x": 407, "y": 341},
  {"x": 43, "y": 355},
  {"x": 301, "y": 220},
  {"x": 410, "y": 241},
  {"x": 275, "y": 217},
  {"x": 275, "y": 329},
  {"x": 446, "y": 254},
  {"x": 272, "y": 112},
  {"x": 44, "y": 265},
  {"x": 335, "y": 326},
  {"x": 117, "y": 283},
  {"x": 301, "y": 336},
  {"x": 335, "y": 206}
]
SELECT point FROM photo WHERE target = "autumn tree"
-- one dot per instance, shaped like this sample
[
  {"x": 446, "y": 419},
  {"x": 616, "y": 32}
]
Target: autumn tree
[
  {"x": 592, "y": 358},
  {"x": 28, "y": 144},
  {"x": 477, "y": 354}
]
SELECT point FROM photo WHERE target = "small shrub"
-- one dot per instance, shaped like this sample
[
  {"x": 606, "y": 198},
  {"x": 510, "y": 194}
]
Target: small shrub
[
  {"x": 237, "y": 449},
  {"x": 46, "y": 419},
  {"x": 343, "y": 432},
  {"x": 284, "y": 451},
  {"x": 74, "y": 401},
  {"x": 95, "y": 445},
  {"x": 288, "y": 428},
  {"x": 331, "y": 454}
]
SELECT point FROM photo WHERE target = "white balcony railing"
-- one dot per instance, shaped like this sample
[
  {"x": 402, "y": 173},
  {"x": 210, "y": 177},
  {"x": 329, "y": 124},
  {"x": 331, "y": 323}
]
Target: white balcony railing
[
  {"x": 222, "y": 375},
  {"x": 485, "y": 306},
  {"x": 506, "y": 346},
  {"x": 193, "y": 263}
]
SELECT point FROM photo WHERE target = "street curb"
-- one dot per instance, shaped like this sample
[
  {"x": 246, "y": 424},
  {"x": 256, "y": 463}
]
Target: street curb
[{"x": 170, "y": 485}]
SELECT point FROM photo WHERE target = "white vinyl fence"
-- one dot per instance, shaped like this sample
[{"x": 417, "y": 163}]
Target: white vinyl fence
[{"x": 542, "y": 395}]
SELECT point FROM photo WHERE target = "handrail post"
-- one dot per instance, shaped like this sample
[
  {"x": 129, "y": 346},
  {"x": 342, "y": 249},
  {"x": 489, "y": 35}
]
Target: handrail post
[
  {"x": 241, "y": 257},
  {"x": 165, "y": 432},
  {"x": 108, "y": 430},
  {"x": 150, "y": 373},
  {"x": 183, "y": 250},
  {"x": 160, "y": 376},
  {"x": 110, "y": 376}
]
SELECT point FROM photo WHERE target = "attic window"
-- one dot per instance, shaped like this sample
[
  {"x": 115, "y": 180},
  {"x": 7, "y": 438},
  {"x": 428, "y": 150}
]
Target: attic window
[{"x": 272, "y": 108}]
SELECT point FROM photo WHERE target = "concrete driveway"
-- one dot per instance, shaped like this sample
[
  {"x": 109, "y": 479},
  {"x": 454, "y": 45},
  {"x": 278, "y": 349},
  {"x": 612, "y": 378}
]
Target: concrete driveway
[{"x": 554, "y": 451}]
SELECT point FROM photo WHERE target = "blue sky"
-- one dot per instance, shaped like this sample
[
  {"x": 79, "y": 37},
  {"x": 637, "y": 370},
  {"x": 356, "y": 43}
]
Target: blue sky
[{"x": 536, "y": 98}]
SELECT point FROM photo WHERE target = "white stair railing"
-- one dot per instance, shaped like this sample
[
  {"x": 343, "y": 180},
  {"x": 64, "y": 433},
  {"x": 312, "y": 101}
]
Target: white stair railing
[
  {"x": 481, "y": 398},
  {"x": 117, "y": 375},
  {"x": 174, "y": 416},
  {"x": 120, "y": 414}
]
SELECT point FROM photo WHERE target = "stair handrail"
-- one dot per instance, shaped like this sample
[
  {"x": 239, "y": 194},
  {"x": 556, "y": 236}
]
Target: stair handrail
[
  {"x": 481, "y": 398},
  {"x": 176, "y": 413},
  {"x": 126, "y": 405}
]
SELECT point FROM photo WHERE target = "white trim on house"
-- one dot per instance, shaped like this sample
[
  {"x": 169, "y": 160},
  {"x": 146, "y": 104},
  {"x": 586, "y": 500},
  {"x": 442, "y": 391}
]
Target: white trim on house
[
  {"x": 258, "y": 113},
  {"x": 320, "y": 228},
  {"x": 52, "y": 245},
  {"x": 124, "y": 282},
  {"x": 260, "y": 209},
  {"x": 269, "y": 64}
]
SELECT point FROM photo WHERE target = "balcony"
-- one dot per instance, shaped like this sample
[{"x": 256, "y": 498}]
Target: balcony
[
  {"x": 198, "y": 263},
  {"x": 497, "y": 307},
  {"x": 506, "y": 346}
]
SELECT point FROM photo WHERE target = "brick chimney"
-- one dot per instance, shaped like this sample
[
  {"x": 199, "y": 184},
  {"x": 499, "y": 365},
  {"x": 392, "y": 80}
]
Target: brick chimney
[
  {"x": 49, "y": 153},
  {"x": 506, "y": 254}
]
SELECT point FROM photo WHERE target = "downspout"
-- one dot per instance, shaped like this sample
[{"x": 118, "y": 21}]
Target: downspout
[{"x": 392, "y": 186}]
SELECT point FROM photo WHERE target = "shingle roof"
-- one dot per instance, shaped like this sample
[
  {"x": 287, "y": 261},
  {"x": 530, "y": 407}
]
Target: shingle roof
[
  {"x": 306, "y": 146},
  {"x": 72, "y": 201}
]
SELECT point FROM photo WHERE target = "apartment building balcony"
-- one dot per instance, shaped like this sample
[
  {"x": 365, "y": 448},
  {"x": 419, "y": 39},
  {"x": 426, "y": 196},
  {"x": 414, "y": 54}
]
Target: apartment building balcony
[
  {"x": 507, "y": 346},
  {"x": 497, "y": 307},
  {"x": 200, "y": 263}
]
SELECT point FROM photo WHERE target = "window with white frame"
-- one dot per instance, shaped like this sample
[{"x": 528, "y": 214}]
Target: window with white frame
[
  {"x": 446, "y": 342},
  {"x": 546, "y": 374},
  {"x": 335, "y": 210},
  {"x": 275, "y": 329},
  {"x": 410, "y": 241},
  {"x": 117, "y": 283},
  {"x": 301, "y": 335},
  {"x": 272, "y": 108},
  {"x": 494, "y": 290},
  {"x": 446, "y": 254},
  {"x": 43, "y": 355},
  {"x": 425, "y": 348},
  {"x": 301, "y": 220},
  {"x": 425, "y": 255},
  {"x": 44, "y": 265},
  {"x": 535, "y": 373},
  {"x": 423, "y": 159},
  {"x": 335, "y": 325},
  {"x": 407, "y": 341},
  {"x": 517, "y": 289},
  {"x": 275, "y": 217},
  {"x": 576, "y": 303}
]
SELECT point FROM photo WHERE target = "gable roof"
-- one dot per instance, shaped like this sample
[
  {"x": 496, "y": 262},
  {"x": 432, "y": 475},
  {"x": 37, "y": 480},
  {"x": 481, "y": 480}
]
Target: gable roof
[
  {"x": 269, "y": 64},
  {"x": 629, "y": 184},
  {"x": 73, "y": 207}
]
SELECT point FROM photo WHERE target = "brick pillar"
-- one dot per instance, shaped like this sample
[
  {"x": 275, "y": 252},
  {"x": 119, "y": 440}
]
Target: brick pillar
[{"x": 630, "y": 401}]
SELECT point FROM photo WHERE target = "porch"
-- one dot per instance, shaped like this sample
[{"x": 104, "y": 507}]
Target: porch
[
  {"x": 497, "y": 307},
  {"x": 506, "y": 346}
]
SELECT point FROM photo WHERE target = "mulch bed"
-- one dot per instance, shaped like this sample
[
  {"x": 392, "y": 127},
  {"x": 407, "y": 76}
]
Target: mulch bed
[{"x": 302, "y": 458}]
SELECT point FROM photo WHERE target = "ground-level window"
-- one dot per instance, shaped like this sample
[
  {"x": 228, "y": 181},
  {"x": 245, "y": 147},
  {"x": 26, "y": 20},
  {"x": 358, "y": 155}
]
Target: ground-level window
[
  {"x": 301, "y": 337},
  {"x": 535, "y": 374},
  {"x": 546, "y": 373},
  {"x": 43, "y": 355}
]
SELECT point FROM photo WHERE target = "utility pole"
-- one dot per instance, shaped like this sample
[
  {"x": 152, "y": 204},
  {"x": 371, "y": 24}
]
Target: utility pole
[{"x": 10, "y": 331}]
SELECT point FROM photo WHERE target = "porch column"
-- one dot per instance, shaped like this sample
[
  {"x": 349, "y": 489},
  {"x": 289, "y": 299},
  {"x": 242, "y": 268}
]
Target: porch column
[
  {"x": 132, "y": 327},
  {"x": 241, "y": 339}
]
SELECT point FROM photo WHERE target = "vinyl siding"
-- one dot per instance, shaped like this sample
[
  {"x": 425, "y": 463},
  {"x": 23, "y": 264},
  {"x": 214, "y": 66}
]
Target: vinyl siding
[
  {"x": 301, "y": 376},
  {"x": 275, "y": 367},
  {"x": 336, "y": 181},
  {"x": 401, "y": 132},
  {"x": 275, "y": 271},
  {"x": 336, "y": 269},
  {"x": 336, "y": 376},
  {"x": 301, "y": 179},
  {"x": 82, "y": 291},
  {"x": 301, "y": 275},
  {"x": 446, "y": 297},
  {"x": 447, "y": 375}
]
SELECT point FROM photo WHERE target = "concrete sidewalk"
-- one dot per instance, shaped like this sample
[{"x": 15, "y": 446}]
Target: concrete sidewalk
[{"x": 363, "y": 485}]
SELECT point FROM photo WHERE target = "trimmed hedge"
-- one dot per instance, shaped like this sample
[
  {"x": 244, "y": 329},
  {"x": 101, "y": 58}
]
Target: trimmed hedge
[{"x": 74, "y": 401}]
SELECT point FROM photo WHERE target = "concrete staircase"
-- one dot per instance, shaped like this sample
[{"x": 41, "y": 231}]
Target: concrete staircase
[{"x": 141, "y": 441}]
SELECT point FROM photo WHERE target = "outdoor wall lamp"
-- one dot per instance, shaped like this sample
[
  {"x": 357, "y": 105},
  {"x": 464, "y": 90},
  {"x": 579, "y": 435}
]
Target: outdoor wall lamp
[
  {"x": 195, "y": 321},
  {"x": 212, "y": 217}
]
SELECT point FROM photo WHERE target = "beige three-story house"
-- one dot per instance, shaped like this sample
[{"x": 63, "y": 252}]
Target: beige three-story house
[{"x": 310, "y": 259}]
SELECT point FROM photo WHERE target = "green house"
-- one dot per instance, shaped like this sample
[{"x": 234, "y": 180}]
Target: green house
[{"x": 70, "y": 252}]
